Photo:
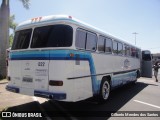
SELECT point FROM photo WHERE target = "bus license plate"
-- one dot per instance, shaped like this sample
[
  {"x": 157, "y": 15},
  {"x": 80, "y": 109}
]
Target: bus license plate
[{"x": 26, "y": 79}]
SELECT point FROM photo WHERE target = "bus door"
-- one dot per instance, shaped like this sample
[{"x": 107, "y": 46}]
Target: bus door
[{"x": 146, "y": 64}]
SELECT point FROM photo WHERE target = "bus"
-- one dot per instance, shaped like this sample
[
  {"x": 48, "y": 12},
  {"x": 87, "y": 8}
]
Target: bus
[{"x": 61, "y": 58}]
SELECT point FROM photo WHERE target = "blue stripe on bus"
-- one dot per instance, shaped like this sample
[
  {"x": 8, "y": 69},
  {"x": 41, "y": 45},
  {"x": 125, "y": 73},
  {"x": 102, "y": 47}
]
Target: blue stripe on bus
[
  {"x": 120, "y": 79},
  {"x": 60, "y": 55},
  {"x": 28, "y": 55}
]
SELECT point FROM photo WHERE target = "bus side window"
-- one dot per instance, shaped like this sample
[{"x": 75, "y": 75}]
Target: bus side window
[
  {"x": 133, "y": 52},
  {"x": 91, "y": 42},
  {"x": 137, "y": 53},
  {"x": 127, "y": 50},
  {"x": 81, "y": 38},
  {"x": 115, "y": 47},
  {"x": 108, "y": 45},
  {"x": 86, "y": 40},
  {"x": 120, "y": 49},
  {"x": 101, "y": 46}
]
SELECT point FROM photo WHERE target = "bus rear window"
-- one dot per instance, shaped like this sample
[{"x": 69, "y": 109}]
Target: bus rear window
[
  {"x": 22, "y": 39},
  {"x": 52, "y": 36},
  {"x": 146, "y": 56}
]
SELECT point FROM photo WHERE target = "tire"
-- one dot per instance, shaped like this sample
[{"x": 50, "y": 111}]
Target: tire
[
  {"x": 104, "y": 91},
  {"x": 138, "y": 74},
  {"x": 135, "y": 81}
]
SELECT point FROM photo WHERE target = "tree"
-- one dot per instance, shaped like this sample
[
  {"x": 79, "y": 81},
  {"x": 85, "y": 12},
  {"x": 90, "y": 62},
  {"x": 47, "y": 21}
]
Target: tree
[
  {"x": 4, "y": 32},
  {"x": 12, "y": 23},
  {"x": 12, "y": 26},
  {"x": 11, "y": 37}
]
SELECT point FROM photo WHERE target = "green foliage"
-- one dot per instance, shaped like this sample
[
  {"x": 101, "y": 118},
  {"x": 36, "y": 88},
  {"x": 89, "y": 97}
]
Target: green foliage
[
  {"x": 26, "y": 3},
  {"x": 4, "y": 33},
  {"x": 12, "y": 24},
  {"x": 11, "y": 37}
]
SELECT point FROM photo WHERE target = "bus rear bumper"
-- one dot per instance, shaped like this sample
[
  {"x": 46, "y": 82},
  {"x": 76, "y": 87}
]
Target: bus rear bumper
[
  {"x": 50, "y": 95},
  {"x": 12, "y": 89},
  {"x": 44, "y": 94}
]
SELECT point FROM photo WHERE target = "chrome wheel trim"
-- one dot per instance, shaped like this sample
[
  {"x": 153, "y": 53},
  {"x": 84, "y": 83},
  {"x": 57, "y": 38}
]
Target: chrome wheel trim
[{"x": 105, "y": 90}]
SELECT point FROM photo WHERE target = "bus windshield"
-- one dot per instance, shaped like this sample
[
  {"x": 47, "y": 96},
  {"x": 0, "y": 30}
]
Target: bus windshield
[
  {"x": 46, "y": 36},
  {"x": 52, "y": 36},
  {"x": 22, "y": 39}
]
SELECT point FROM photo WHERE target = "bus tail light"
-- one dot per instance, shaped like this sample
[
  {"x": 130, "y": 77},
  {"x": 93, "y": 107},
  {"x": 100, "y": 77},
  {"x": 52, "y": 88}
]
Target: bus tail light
[
  {"x": 71, "y": 55},
  {"x": 55, "y": 83}
]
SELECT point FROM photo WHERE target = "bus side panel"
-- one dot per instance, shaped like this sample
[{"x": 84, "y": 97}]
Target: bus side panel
[
  {"x": 76, "y": 89},
  {"x": 103, "y": 63},
  {"x": 134, "y": 63},
  {"x": 124, "y": 78},
  {"x": 58, "y": 71},
  {"x": 113, "y": 64},
  {"x": 82, "y": 85},
  {"x": 123, "y": 72}
]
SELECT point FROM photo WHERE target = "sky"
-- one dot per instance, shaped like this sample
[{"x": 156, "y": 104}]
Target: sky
[{"x": 120, "y": 18}]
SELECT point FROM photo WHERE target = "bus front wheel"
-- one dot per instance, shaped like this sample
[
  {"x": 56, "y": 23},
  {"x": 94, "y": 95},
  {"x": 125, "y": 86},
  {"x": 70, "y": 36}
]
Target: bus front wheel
[{"x": 104, "y": 91}]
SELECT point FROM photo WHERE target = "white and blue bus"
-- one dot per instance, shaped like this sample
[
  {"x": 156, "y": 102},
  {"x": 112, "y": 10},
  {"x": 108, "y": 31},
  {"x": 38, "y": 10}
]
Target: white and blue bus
[{"x": 62, "y": 58}]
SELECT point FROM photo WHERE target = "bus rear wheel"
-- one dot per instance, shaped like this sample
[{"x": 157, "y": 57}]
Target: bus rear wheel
[{"x": 104, "y": 91}]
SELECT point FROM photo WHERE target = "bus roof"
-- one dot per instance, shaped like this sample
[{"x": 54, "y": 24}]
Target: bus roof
[{"x": 63, "y": 18}]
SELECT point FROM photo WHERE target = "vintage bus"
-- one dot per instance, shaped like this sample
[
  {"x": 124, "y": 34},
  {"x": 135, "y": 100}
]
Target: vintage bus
[{"x": 62, "y": 58}]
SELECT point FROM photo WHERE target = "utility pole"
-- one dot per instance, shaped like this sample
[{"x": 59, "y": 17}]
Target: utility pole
[{"x": 135, "y": 36}]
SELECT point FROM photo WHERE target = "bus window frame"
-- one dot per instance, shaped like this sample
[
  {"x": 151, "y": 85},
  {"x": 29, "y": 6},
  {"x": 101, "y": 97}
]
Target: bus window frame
[
  {"x": 51, "y": 25},
  {"x": 120, "y": 54},
  {"x": 103, "y": 44},
  {"x": 107, "y": 38},
  {"x": 87, "y": 31}
]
